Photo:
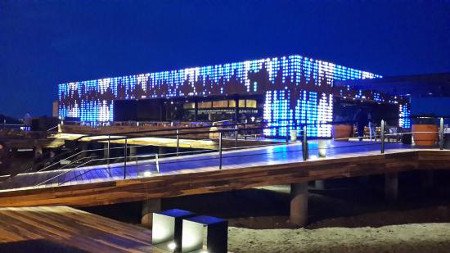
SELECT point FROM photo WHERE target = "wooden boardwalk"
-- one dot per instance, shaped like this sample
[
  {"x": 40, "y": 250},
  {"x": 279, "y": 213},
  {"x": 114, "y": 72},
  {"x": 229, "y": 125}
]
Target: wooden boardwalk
[
  {"x": 243, "y": 158},
  {"x": 72, "y": 228},
  {"x": 240, "y": 172}
]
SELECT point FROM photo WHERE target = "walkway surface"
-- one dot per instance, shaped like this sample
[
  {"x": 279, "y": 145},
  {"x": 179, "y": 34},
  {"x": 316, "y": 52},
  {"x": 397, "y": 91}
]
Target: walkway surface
[
  {"x": 267, "y": 155},
  {"x": 65, "y": 229}
]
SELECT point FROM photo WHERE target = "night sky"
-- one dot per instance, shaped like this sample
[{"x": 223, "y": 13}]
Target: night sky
[{"x": 43, "y": 43}]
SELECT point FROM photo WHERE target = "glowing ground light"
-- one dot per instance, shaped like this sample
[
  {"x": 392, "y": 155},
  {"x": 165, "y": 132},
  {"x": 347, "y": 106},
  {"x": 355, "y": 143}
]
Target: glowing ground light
[{"x": 172, "y": 246}]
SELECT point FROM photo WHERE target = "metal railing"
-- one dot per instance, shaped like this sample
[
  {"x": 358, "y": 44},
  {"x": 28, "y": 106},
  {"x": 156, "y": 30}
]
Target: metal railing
[{"x": 126, "y": 160}]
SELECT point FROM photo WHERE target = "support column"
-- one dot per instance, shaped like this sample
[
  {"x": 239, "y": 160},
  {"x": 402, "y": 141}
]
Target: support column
[
  {"x": 148, "y": 208},
  {"x": 299, "y": 204},
  {"x": 391, "y": 186}
]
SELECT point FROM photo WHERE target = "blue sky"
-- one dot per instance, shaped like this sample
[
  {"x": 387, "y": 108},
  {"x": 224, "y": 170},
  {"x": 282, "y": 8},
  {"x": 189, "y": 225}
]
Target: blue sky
[{"x": 43, "y": 43}]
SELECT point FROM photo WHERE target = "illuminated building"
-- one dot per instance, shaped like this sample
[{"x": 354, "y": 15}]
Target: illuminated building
[{"x": 295, "y": 90}]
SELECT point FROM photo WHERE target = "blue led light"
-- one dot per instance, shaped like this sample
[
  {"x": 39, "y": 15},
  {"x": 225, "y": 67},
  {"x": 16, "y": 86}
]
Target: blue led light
[
  {"x": 296, "y": 90},
  {"x": 404, "y": 113}
]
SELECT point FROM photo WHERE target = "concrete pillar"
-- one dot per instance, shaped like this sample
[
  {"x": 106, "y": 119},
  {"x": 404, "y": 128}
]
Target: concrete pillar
[
  {"x": 391, "y": 186},
  {"x": 149, "y": 207},
  {"x": 299, "y": 204}
]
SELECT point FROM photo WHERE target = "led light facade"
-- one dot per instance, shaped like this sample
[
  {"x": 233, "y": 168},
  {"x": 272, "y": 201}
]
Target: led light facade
[
  {"x": 405, "y": 113},
  {"x": 297, "y": 90}
]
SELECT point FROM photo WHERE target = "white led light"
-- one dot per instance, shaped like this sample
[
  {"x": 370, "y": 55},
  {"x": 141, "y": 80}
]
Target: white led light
[
  {"x": 91, "y": 100},
  {"x": 172, "y": 245}
]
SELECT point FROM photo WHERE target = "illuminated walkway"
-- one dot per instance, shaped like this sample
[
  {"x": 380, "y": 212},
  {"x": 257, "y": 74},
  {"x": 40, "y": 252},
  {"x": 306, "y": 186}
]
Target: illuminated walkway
[
  {"x": 199, "y": 174},
  {"x": 261, "y": 156}
]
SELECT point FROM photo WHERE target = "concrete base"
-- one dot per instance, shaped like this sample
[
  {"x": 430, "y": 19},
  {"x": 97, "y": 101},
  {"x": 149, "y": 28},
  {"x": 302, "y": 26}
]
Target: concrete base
[
  {"x": 299, "y": 204},
  {"x": 391, "y": 186},
  {"x": 148, "y": 208}
]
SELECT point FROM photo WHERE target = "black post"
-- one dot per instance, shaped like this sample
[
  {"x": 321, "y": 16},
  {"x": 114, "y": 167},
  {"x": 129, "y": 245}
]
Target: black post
[
  {"x": 236, "y": 109},
  {"x": 287, "y": 134},
  {"x": 195, "y": 109},
  {"x": 305, "y": 151},
  {"x": 441, "y": 133},
  {"x": 109, "y": 149},
  {"x": 383, "y": 123},
  {"x": 220, "y": 150},
  {"x": 236, "y": 132},
  {"x": 178, "y": 141},
  {"x": 125, "y": 151}
]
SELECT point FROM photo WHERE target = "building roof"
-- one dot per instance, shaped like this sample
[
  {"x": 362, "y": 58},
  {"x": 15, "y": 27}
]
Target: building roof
[{"x": 436, "y": 84}]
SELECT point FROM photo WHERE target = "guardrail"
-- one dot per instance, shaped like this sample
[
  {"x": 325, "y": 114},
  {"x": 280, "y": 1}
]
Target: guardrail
[{"x": 61, "y": 176}]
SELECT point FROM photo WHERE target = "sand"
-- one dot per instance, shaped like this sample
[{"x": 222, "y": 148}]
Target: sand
[
  {"x": 410, "y": 238},
  {"x": 349, "y": 215}
]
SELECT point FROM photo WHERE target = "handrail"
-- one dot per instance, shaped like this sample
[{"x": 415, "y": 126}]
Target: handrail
[
  {"x": 220, "y": 149},
  {"x": 27, "y": 167},
  {"x": 228, "y": 129},
  {"x": 90, "y": 161},
  {"x": 140, "y": 156}
]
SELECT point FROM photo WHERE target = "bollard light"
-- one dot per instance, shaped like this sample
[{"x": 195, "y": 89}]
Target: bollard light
[
  {"x": 167, "y": 229},
  {"x": 205, "y": 234},
  {"x": 322, "y": 146}
]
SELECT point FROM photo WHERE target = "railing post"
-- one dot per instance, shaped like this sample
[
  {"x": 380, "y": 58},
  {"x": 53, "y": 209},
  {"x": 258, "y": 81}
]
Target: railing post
[
  {"x": 287, "y": 134},
  {"x": 220, "y": 150},
  {"x": 109, "y": 149},
  {"x": 305, "y": 144},
  {"x": 383, "y": 125},
  {"x": 178, "y": 142},
  {"x": 441, "y": 133},
  {"x": 236, "y": 135},
  {"x": 157, "y": 162},
  {"x": 125, "y": 151}
]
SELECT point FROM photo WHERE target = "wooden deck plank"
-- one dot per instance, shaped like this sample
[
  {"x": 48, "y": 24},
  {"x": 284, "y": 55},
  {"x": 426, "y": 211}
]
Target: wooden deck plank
[
  {"x": 74, "y": 228},
  {"x": 210, "y": 179}
]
